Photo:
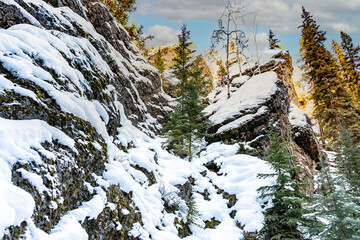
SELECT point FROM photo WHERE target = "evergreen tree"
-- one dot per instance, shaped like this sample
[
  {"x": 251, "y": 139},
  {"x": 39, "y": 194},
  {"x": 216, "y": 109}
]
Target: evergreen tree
[
  {"x": 273, "y": 42},
  {"x": 283, "y": 218},
  {"x": 335, "y": 207},
  {"x": 333, "y": 105},
  {"x": 349, "y": 59},
  {"x": 348, "y": 159},
  {"x": 348, "y": 78},
  {"x": 186, "y": 123},
  {"x": 182, "y": 64},
  {"x": 349, "y": 74},
  {"x": 159, "y": 62},
  {"x": 352, "y": 52}
]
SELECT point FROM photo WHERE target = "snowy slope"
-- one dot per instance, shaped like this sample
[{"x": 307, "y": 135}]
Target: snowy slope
[
  {"x": 237, "y": 176},
  {"x": 77, "y": 154}
]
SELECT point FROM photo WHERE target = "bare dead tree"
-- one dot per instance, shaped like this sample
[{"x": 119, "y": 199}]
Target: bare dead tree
[{"x": 227, "y": 33}]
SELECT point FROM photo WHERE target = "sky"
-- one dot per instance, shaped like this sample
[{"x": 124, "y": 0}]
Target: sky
[{"x": 164, "y": 18}]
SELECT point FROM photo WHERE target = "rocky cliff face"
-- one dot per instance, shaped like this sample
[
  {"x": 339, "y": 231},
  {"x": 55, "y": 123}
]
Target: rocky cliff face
[
  {"x": 258, "y": 102},
  {"x": 73, "y": 68}
]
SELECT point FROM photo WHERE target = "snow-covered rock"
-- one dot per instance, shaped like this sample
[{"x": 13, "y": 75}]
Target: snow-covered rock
[
  {"x": 246, "y": 115},
  {"x": 255, "y": 103},
  {"x": 302, "y": 133}
]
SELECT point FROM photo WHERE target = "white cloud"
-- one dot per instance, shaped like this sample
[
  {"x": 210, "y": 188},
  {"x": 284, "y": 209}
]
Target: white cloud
[
  {"x": 162, "y": 34},
  {"x": 180, "y": 10},
  {"x": 338, "y": 26},
  {"x": 262, "y": 41},
  {"x": 283, "y": 16}
]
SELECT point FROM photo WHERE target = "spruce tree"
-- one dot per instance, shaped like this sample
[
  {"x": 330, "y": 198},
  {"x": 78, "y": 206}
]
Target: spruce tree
[
  {"x": 182, "y": 64},
  {"x": 273, "y": 42},
  {"x": 352, "y": 52},
  {"x": 186, "y": 123},
  {"x": 333, "y": 105},
  {"x": 282, "y": 220},
  {"x": 335, "y": 207},
  {"x": 346, "y": 94},
  {"x": 348, "y": 159},
  {"x": 349, "y": 58}
]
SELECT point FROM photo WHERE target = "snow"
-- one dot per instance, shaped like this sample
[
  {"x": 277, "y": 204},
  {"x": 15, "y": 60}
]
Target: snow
[
  {"x": 240, "y": 80},
  {"x": 242, "y": 120},
  {"x": 34, "y": 179},
  {"x": 19, "y": 138},
  {"x": 249, "y": 96},
  {"x": 8, "y": 85},
  {"x": 16, "y": 205},
  {"x": 297, "y": 117},
  {"x": 69, "y": 229},
  {"x": 169, "y": 75},
  {"x": 238, "y": 175}
]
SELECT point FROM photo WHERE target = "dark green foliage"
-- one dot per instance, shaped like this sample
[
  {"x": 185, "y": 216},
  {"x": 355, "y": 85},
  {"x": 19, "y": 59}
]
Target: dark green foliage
[
  {"x": 273, "y": 42},
  {"x": 186, "y": 123},
  {"x": 335, "y": 208},
  {"x": 333, "y": 105},
  {"x": 193, "y": 213},
  {"x": 348, "y": 159},
  {"x": 183, "y": 55},
  {"x": 349, "y": 59},
  {"x": 159, "y": 62},
  {"x": 283, "y": 218},
  {"x": 350, "y": 50}
]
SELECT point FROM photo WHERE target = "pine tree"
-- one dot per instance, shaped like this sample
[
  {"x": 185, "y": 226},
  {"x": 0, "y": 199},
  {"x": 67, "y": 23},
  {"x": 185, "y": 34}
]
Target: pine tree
[
  {"x": 335, "y": 207},
  {"x": 349, "y": 74},
  {"x": 333, "y": 105},
  {"x": 283, "y": 218},
  {"x": 348, "y": 159},
  {"x": 349, "y": 59},
  {"x": 159, "y": 62},
  {"x": 182, "y": 64},
  {"x": 273, "y": 42},
  {"x": 193, "y": 212},
  {"x": 350, "y": 50},
  {"x": 347, "y": 95},
  {"x": 186, "y": 123}
]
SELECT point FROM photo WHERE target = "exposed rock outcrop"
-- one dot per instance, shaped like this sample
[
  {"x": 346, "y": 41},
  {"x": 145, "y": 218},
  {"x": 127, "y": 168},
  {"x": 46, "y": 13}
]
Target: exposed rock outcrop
[
  {"x": 72, "y": 67},
  {"x": 255, "y": 104}
]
